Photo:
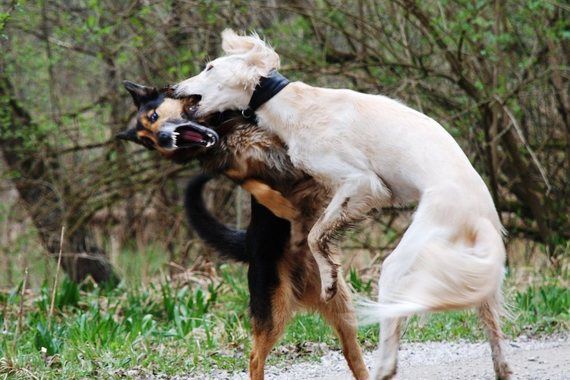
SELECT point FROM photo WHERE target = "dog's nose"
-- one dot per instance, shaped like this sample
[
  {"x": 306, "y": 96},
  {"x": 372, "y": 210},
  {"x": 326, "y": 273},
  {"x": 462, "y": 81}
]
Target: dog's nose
[{"x": 164, "y": 139}]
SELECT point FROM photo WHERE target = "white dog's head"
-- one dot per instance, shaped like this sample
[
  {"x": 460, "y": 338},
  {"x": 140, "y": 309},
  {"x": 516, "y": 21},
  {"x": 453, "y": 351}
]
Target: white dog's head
[{"x": 228, "y": 81}]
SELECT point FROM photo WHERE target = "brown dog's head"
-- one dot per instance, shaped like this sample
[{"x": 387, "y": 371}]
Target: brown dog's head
[{"x": 165, "y": 124}]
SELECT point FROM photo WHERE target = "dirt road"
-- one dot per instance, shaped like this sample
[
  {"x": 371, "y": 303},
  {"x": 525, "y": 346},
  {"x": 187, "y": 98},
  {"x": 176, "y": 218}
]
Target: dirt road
[{"x": 529, "y": 359}]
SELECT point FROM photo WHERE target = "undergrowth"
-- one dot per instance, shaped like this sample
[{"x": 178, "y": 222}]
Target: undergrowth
[{"x": 171, "y": 328}]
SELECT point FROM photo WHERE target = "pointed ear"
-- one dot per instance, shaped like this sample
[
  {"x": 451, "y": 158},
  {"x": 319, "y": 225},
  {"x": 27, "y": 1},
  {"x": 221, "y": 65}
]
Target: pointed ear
[
  {"x": 141, "y": 94},
  {"x": 128, "y": 135}
]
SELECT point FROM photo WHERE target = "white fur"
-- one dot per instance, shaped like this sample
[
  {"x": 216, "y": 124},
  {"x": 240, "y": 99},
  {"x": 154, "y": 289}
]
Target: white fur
[
  {"x": 374, "y": 151},
  {"x": 230, "y": 82}
]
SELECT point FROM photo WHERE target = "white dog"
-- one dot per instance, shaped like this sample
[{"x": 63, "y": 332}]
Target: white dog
[{"x": 372, "y": 151}]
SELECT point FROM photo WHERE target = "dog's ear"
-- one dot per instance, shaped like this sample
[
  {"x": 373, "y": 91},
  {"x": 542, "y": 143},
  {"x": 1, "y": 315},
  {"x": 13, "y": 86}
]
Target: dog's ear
[
  {"x": 263, "y": 60},
  {"x": 141, "y": 94},
  {"x": 256, "y": 52},
  {"x": 169, "y": 91},
  {"x": 129, "y": 134},
  {"x": 233, "y": 43}
]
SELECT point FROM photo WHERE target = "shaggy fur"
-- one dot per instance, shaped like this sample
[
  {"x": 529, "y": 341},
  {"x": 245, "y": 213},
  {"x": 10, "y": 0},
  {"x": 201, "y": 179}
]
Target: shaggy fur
[
  {"x": 372, "y": 151},
  {"x": 283, "y": 276}
]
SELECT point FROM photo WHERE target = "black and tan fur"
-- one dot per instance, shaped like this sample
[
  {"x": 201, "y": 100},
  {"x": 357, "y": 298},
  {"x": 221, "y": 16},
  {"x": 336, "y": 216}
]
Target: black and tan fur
[{"x": 283, "y": 276}]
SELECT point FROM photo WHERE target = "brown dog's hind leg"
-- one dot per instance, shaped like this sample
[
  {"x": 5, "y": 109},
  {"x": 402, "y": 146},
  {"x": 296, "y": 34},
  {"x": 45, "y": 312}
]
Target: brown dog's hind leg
[
  {"x": 339, "y": 313},
  {"x": 489, "y": 315}
]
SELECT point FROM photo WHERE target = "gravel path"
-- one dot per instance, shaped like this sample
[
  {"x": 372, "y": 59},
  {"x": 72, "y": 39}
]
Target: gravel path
[{"x": 529, "y": 359}]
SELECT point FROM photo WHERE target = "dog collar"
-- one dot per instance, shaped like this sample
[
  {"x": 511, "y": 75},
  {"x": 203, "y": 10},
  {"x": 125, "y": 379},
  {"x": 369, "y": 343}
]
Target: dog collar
[{"x": 267, "y": 88}]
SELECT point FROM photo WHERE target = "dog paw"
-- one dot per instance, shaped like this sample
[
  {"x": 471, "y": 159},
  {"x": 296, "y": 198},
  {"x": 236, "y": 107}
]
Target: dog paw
[
  {"x": 385, "y": 374},
  {"x": 503, "y": 372}
]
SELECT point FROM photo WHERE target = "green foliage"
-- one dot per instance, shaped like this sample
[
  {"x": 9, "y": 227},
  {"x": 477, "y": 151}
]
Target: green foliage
[
  {"x": 551, "y": 299},
  {"x": 3, "y": 18},
  {"x": 68, "y": 294},
  {"x": 46, "y": 340},
  {"x": 176, "y": 329},
  {"x": 6, "y": 11},
  {"x": 358, "y": 284},
  {"x": 453, "y": 69}
]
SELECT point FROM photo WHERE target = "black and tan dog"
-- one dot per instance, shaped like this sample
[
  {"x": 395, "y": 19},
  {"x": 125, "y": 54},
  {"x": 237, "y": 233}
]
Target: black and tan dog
[{"x": 283, "y": 276}]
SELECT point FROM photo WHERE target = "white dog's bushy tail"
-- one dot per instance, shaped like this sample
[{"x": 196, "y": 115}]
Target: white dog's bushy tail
[{"x": 445, "y": 275}]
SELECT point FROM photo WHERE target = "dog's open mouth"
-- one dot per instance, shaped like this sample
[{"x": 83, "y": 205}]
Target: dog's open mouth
[
  {"x": 192, "y": 134},
  {"x": 187, "y": 134}
]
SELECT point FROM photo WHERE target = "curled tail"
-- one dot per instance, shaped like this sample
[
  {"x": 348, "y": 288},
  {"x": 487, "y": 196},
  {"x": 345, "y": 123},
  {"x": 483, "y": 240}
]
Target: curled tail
[
  {"x": 444, "y": 275},
  {"x": 228, "y": 242}
]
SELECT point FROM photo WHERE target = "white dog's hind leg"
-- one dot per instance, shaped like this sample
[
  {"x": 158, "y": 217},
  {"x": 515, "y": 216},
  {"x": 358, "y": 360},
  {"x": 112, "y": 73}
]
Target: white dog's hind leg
[
  {"x": 489, "y": 313},
  {"x": 389, "y": 345},
  {"x": 393, "y": 268},
  {"x": 443, "y": 262},
  {"x": 352, "y": 202}
]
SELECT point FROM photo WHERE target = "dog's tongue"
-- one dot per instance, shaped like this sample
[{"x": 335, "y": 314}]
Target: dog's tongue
[{"x": 191, "y": 136}]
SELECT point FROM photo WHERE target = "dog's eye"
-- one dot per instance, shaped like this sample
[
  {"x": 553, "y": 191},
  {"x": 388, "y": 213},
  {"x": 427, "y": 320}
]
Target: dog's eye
[
  {"x": 209, "y": 67},
  {"x": 153, "y": 117}
]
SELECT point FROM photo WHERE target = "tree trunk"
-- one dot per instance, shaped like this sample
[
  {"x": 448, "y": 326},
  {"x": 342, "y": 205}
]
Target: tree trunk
[{"x": 36, "y": 183}]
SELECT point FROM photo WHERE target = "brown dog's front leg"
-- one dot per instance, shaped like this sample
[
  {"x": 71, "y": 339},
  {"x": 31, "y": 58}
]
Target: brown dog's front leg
[
  {"x": 271, "y": 309},
  {"x": 263, "y": 342},
  {"x": 272, "y": 199}
]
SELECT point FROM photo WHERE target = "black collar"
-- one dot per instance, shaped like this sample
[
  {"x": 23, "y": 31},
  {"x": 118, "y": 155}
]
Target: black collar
[{"x": 267, "y": 88}]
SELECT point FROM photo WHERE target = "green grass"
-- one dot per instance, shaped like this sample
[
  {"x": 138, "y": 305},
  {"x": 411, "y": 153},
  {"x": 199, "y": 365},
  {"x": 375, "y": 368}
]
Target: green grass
[{"x": 170, "y": 329}]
